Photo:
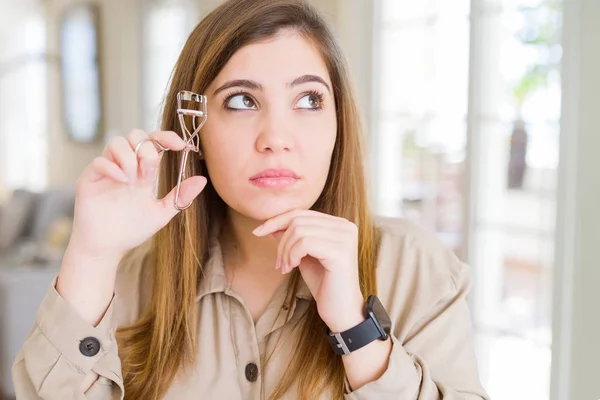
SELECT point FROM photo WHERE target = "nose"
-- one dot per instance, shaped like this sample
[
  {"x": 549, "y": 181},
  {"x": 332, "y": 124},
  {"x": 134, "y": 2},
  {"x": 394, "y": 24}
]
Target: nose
[{"x": 275, "y": 133}]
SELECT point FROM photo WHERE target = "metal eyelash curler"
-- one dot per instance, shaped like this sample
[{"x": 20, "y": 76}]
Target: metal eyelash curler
[{"x": 192, "y": 139}]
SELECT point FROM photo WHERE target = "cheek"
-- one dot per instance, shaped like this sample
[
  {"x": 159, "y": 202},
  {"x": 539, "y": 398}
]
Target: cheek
[
  {"x": 318, "y": 139},
  {"x": 226, "y": 151},
  {"x": 222, "y": 156},
  {"x": 224, "y": 138}
]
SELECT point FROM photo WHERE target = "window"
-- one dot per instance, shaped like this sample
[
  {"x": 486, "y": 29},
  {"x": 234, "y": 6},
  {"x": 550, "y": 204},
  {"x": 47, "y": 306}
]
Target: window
[
  {"x": 515, "y": 140},
  {"x": 23, "y": 93},
  {"x": 473, "y": 157},
  {"x": 421, "y": 110},
  {"x": 166, "y": 25}
]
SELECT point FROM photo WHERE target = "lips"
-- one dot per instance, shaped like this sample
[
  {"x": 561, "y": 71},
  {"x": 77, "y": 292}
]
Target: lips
[
  {"x": 275, "y": 173},
  {"x": 275, "y": 178}
]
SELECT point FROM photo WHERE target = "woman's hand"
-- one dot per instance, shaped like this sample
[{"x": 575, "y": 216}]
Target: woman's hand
[
  {"x": 115, "y": 207},
  {"x": 115, "y": 211},
  {"x": 325, "y": 249}
]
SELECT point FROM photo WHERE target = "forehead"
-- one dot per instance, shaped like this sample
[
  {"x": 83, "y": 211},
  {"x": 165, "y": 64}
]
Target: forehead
[{"x": 279, "y": 59}]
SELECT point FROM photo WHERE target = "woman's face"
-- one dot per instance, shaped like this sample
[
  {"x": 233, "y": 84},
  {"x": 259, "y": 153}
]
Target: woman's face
[{"x": 271, "y": 127}]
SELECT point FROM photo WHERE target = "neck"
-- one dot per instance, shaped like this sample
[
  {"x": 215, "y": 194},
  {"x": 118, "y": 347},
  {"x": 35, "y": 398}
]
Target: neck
[{"x": 244, "y": 250}]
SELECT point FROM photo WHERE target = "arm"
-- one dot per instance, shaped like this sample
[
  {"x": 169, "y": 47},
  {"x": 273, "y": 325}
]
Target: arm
[
  {"x": 435, "y": 362},
  {"x": 51, "y": 365},
  {"x": 71, "y": 352}
]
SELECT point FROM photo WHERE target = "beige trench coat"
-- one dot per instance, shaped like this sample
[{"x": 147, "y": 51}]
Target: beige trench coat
[{"x": 421, "y": 284}]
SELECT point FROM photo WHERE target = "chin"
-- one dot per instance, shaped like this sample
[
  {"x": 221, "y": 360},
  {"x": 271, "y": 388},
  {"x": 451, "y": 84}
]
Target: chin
[{"x": 262, "y": 209}]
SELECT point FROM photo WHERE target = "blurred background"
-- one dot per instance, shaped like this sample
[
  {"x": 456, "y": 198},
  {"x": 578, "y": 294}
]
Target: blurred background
[{"x": 481, "y": 118}]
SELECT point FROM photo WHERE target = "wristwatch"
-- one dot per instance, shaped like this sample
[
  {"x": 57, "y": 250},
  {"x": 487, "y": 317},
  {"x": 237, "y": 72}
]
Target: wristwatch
[{"x": 377, "y": 326}]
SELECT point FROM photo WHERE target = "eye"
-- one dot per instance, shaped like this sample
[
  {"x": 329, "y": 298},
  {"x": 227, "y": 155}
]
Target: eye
[
  {"x": 240, "y": 102},
  {"x": 311, "y": 101}
]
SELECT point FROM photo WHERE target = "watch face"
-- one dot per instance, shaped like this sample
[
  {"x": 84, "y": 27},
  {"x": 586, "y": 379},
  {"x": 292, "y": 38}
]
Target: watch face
[{"x": 375, "y": 307}]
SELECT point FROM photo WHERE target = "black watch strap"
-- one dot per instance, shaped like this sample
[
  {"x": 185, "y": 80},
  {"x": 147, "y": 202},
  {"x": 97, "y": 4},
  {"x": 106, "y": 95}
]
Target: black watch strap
[{"x": 354, "y": 338}]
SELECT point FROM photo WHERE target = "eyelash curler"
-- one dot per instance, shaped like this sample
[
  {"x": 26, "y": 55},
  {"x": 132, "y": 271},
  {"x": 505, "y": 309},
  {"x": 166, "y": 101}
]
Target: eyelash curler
[{"x": 198, "y": 114}]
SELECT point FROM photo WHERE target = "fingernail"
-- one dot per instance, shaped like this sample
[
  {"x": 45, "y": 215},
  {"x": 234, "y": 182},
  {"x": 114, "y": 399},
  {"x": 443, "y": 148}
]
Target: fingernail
[
  {"x": 277, "y": 263},
  {"x": 257, "y": 231}
]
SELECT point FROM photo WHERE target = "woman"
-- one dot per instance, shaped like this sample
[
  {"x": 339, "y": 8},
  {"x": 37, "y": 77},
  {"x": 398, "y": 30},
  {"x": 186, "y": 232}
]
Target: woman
[{"x": 276, "y": 282}]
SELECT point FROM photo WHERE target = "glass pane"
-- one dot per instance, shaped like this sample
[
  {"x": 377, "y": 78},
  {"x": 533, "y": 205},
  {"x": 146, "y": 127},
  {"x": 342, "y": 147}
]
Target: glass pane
[
  {"x": 516, "y": 166},
  {"x": 389, "y": 149},
  {"x": 521, "y": 62},
  {"x": 23, "y": 97},
  {"x": 80, "y": 74},
  {"x": 406, "y": 10},
  {"x": 422, "y": 106},
  {"x": 424, "y": 70},
  {"x": 512, "y": 367},
  {"x": 424, "y": 173},
  {"x": 166, "y": 26},
  {"x": 513, "y": 283},
  {"x": 515, "y": 157},
  {"x": 404, "y": 64}
]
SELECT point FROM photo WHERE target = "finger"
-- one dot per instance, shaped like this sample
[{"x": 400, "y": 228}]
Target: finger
[
  {"x": 120, "y": 152},
  {"x": 150, "y": 146},
  {"x": 101, "y": 167},
  {"x": 327, "y": 240},
  {"x": 299, "y": 249},
  {"x": 312, "y": 219},
  {"x": 284, "y": 236},
  {"x": 169, "y": 140},
  {"x": 190, "y": 189},
  {"x": 325, "y": 234},
  {"x": 147, "y": 155},
  {"x": 290, "y": 235},
  {"x": 283, "y": 221},
  {"x": 312, "y": 246},
  {"x": 150, "y": 149},
  {"x": 278, "y": 235},
  {"x": 288, "y": 264}
]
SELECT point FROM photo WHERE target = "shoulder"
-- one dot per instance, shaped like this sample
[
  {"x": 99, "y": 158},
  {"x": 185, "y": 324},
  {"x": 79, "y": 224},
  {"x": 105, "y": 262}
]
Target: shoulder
[
  {"x": 415, "y": 250},
  {"x": 133, "y": 286},
  {"x": 415, "y": 270}
]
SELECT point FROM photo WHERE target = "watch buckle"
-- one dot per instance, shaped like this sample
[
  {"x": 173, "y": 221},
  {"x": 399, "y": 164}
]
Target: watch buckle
[{"x": 341, "y": 344}]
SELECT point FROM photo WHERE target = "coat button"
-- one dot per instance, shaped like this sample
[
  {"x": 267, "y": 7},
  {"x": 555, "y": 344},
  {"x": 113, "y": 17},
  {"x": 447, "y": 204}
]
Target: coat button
[
  {"x": 89, "y": 347},
  {"x": 251, "y": 372}
]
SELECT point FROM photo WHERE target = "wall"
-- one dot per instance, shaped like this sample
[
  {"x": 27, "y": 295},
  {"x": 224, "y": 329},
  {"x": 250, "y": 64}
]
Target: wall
[{"x": 576, "y": 353}]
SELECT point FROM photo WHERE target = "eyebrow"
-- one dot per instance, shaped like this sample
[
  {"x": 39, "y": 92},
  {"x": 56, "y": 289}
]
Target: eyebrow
[
  {"x": 249, "y": 84},
  {"x": 309, "y": 78},
  {"x": 238, "y": 83}
]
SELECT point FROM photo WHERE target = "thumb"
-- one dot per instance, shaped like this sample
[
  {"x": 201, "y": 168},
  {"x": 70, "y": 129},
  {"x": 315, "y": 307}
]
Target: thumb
[{"x": 190, "y": 189}]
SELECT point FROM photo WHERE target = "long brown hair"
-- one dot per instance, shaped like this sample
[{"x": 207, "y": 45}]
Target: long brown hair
[{"x": 163, "y": 340}]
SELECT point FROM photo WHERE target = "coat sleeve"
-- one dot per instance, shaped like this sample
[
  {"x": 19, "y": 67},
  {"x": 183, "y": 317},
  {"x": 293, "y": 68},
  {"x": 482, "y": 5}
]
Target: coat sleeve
[
  {"x": 63, "y": 352},
  {"x": 62, "y": 349},
  {"x": 425, "y": 287}
]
